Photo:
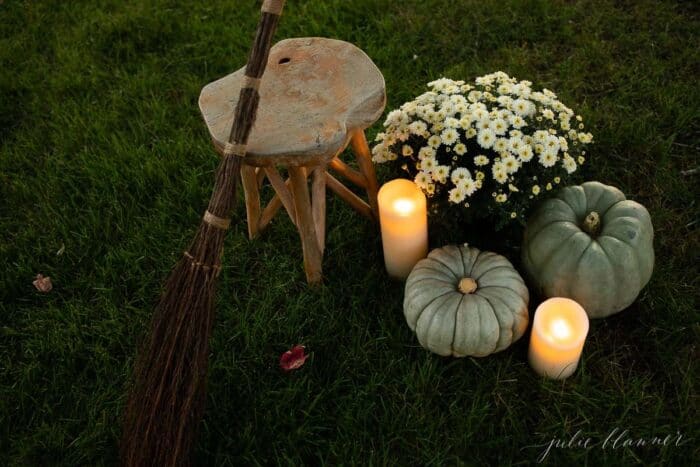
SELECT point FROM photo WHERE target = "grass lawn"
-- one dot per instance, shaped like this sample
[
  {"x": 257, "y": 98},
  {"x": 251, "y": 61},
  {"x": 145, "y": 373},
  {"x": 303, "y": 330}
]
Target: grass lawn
[{"x": 106, "y": 166}]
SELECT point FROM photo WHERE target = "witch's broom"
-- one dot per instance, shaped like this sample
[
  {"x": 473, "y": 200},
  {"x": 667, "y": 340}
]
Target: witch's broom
[{"x": 167, "y": 400}]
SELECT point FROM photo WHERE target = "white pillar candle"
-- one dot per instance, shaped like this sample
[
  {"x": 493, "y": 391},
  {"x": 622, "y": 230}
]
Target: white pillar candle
[
  {"x": 558, "y": 333},
  {"x": 403, "y": 218}
]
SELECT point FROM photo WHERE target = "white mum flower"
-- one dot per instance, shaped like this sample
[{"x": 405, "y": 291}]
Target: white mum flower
[
  {"x": 504, "y": 88},
  {"x": 525, "y": 153},
  {"x": 479, "y": 114},
  {"x": 474, "y": 96},
  {"x": 523, "y": 107},
  {"x": 449, "y": 136},
  {"x": 563, "y": 144},
  {"x": 540, "y": 136},
  {"x": 451, "y": 122},
  {"x": 502, "y": 198},
  {"x": 418, "y": 127},
  {"x": 459, "y": 174},
  {"x": 466, "y": 121},
  {"x": 428, "y": 164},
  {"x": 437, "y": 127},
  {"x": 379, "y": 154},
  {"x": 448, "y": 109},
  {"x": 515, "y": 143},
  {"x": 484, "y": 124},
  {"x": 499, "y": 126},
  {"x": 457, "y": 195},
  {"x": 394, "y": 117},
  {"x": 460, "y": 149},
  {"x": 569, "y": 165},
  {"x": 513, "y": 188},
  {"x": 510, "y": 163},
  {"x": 548, "y": 159},
  {"x": 500, "y": 145},
  {"x": 535, "y": 190},
  {"x": 481, "y": 160},
  {"x": 552, "y": 144},
  {"x": 470, "y": 187},
  {"x": 451, "y": 89},
  {"x": 426, "y": 151},
  {"x": 458, "y": 99},
  {"x": 422, "y": 179},
  {"x": 499, "y": 173},
  {"x": 470, "y": 133},
  {"x": 407, "y": 150},
  {"x": 440, "y": 84},
  {"x": 548, "y": 114},
  {"x": 486, "y": 138},
  {"x": 585, "y": 138},
  {"x": 440, "y": 173},
  {"x": 434, "y": 141}
]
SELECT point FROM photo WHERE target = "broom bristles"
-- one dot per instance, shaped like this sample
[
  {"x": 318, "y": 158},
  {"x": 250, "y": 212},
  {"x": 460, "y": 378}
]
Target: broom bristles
[{"x": 167, "y": 400}]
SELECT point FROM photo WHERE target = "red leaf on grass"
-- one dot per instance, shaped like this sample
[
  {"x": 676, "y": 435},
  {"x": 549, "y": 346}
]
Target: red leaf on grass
[
  {"x": 43, "y": 284},
  {"x": 293, "y": 358}
]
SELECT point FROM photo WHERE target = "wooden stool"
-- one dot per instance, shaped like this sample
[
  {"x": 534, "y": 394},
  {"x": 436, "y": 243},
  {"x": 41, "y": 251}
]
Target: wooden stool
[{"x": 316, "y": 97}]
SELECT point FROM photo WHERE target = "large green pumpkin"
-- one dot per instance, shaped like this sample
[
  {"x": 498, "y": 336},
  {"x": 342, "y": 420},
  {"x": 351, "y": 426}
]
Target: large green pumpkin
[
  {"x": 592, "y": 245},
  {"x": 461, "y": 301}
]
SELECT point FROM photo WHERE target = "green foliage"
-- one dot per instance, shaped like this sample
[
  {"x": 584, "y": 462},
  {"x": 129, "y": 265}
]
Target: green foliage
[{"x": 103, "y": 151}]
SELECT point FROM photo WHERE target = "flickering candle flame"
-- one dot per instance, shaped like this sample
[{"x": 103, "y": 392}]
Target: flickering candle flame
[
  {"x": 559, "y": 331},
  {"x": 404, "y": 207},
  {"x": 403, "y": 218}
]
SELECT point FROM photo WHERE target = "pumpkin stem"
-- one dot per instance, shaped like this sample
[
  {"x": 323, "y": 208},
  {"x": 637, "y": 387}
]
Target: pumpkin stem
[
  {"x": 467, "y": 285},
  {"x": 591, "y": 224}
]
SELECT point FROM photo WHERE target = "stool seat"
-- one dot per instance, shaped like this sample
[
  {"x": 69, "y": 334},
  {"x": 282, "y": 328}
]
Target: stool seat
[
  {"x": 317, "y": 97},
  {"x": 314, "y": 95}
]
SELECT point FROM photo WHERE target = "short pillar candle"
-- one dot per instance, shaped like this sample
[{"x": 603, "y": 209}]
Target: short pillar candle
[
  {"x": 403, "y": 218},
  {"x": 559, "y": 331}
]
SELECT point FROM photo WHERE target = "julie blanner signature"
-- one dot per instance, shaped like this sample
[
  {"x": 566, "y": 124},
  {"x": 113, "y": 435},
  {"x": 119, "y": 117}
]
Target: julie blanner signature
[{"x": 616, "y": 439}]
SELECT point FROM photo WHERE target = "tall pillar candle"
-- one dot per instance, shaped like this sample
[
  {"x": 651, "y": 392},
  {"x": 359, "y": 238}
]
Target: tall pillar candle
[
  {"x": 403, "y": 218},
  {"x": 559, "y": 331}
]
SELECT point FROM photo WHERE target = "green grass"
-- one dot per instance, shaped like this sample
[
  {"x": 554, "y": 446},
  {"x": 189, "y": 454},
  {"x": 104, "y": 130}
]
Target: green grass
[{"x": 103, "y": 151}]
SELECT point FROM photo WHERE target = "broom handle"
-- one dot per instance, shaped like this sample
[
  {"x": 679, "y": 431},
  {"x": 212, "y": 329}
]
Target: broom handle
[{"x": 220, "y": 207}]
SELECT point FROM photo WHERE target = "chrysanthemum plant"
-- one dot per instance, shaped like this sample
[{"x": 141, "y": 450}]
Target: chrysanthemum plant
[{"x": 489, "y": 149}]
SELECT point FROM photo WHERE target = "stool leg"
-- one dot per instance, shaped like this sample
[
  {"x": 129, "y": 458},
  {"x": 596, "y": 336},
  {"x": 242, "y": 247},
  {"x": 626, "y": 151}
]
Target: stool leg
[
  {"x": 318, "y": 204},
  {"x": 364, "y": 161},
  {"x": 305, "y": 225},
  {"x": 252, "y": 199}
]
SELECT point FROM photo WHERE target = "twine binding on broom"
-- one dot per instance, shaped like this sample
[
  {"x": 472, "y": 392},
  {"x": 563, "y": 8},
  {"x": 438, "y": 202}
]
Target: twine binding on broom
[
  {"x": 234, "y": 149},
  {"x": 251, "y": 82},
  {"x": 272, "y": 6},
  {"x": 216, "y": 221}
]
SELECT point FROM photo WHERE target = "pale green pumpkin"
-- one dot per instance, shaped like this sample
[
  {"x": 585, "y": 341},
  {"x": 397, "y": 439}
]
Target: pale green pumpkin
[
  {"x": 592, "y": 245},
  {"x": 462, "y": 301}
]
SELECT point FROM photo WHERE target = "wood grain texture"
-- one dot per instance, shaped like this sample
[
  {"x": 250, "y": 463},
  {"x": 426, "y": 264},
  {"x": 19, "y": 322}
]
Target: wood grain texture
[
  {"x": 305, "y": 225},
  {"x": 281, "y": 190},
  {"x": 348, "y": 172},
  {"x": 269, "y": 213},
  {"x": 348, "y": 196},
  {"x": 252, "y": 199},
  {"x": 364, "y": 161},
  {"x": 315, "y": 93},
  {"x": 318, "y": 199}
]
